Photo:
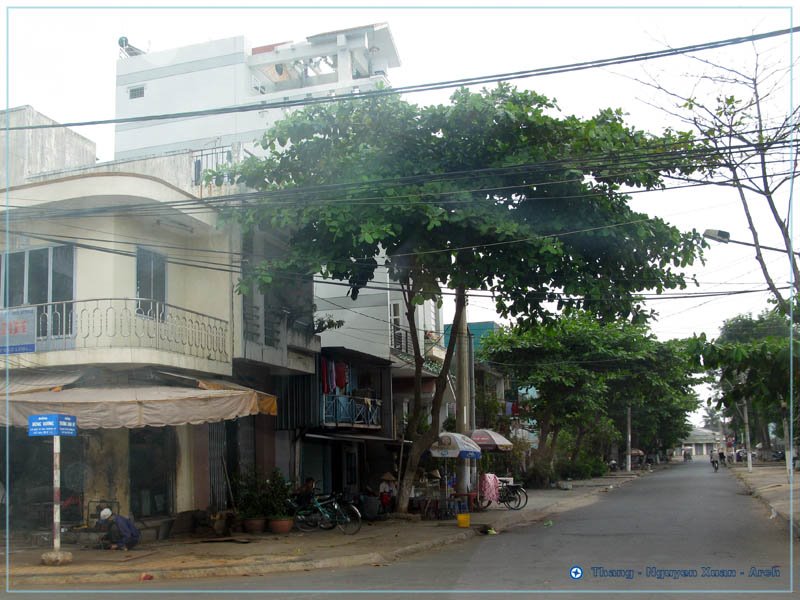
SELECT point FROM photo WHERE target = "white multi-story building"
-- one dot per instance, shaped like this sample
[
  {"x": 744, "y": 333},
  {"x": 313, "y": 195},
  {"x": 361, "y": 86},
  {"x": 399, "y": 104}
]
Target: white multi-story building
[{"x": 231, "y": 73}]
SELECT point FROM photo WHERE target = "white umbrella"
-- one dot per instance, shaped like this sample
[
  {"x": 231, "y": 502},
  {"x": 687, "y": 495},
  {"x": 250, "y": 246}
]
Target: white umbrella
[
  {"x": 491, "y": 440},
  {"x": 455, "y": 445}
]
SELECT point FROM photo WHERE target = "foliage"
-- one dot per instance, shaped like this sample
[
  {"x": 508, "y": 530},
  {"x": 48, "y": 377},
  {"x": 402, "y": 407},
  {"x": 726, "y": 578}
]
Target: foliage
[
  {"x": 494, "y": 191},
  {"x": 587, "y": 371},
  {"x": 326, "y": 322},
  {"x": 488, "y": 413},
  {"x": 277, "y": 495},
  {"x": 251, "y": 494},
  {"x": 755, "y": 360},
  {"x": 540, "y": 475},
  {"x": 582, "y": 468}
]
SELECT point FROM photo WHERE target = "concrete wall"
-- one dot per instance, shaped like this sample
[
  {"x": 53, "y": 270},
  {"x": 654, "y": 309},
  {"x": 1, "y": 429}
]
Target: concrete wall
[
  {"x": 367, "y": 319},
  {"x": 202, "y": 479},
  {"x": 38, "y": 150},
  {"x": 107, "y": 474},
  {"x": 184, "y": 468}
]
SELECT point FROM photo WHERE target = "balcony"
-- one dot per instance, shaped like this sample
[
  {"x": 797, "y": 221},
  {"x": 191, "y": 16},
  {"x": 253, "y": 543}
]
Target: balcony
[
  {"x": 351, "y": 411},
  {"x": 129, "y": 327}
]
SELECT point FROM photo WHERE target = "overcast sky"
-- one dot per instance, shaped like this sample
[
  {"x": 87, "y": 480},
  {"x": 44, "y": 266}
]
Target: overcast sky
[{"x": 62, "y": 62}]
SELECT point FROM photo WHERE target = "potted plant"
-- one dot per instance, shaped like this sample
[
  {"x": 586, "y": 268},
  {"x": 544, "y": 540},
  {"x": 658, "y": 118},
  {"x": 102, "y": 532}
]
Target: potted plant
[
  {"x": 277, "y": 503},
  {"x": 251, "y": 500}
]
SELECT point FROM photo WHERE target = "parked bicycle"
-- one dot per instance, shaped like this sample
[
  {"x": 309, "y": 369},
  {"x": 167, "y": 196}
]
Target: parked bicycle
[
  {"x": 513, "y": 495},
  {"x": 326, "y": 513}
]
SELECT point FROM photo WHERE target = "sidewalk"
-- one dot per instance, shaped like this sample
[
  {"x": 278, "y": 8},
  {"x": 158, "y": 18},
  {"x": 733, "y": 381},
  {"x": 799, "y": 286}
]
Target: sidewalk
[
  {"x": 769, "y": 483},
  {"x": 267, "y": 553}
]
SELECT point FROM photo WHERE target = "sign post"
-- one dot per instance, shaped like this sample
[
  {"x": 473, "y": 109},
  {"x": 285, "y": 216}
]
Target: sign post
[{"x": 55, "y": 426}]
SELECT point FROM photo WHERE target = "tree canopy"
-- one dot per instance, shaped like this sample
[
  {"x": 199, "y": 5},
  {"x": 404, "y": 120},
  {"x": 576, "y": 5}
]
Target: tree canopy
[
  {"x": 755, "y": 360},
  {"x": 493, "y": 191},
  {"x": 585, "y": 370}
]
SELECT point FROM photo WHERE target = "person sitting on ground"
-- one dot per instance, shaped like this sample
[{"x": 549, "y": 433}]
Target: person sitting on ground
[
  {"x": 121, "y": 533},
  {"x": 305, "y": 492}
]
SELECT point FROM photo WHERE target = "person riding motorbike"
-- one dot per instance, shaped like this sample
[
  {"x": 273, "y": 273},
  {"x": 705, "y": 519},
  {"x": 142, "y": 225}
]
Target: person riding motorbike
[{"x": 714, "y": 461}]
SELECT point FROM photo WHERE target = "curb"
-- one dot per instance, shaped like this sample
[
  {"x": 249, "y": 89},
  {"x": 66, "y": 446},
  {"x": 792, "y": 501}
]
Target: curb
[
  {"x": 755, "y": 494},
  {"x": 133, "y": 574}
]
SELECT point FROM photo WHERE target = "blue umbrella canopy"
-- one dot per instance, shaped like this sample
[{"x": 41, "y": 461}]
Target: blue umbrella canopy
[{"x": 455, "y": 445}]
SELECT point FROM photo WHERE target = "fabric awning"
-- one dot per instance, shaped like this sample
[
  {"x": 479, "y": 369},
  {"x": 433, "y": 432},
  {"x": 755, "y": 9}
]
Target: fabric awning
[
  {"x": 39, "y": 380},
  {"x": 137, "y": 406}
]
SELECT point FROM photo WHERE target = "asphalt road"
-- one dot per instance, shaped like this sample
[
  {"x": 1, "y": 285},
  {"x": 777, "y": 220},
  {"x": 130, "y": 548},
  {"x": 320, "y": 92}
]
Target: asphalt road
[{"x": 686, "y": 533}]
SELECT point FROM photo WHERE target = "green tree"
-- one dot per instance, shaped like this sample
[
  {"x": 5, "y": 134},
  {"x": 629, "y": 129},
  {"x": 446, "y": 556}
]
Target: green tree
[
  {"x": 586, "y": 370},
  {"x": 755, "y": 361},
  {"x": 493, "y": 191}
]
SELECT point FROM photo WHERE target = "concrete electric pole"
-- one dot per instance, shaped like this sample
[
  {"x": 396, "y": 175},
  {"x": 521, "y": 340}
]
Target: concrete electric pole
[{"x": 462, "y": 395}]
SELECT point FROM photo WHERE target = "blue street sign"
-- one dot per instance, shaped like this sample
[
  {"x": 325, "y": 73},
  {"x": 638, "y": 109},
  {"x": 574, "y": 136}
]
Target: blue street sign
[{"x": 49, "y": 425}]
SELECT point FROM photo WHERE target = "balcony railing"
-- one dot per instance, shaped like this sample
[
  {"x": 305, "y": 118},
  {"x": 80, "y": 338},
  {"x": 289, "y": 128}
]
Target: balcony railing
[
  {"x": 351, "y": 411},
  {"x": 129, "y": 323},
  {"x": 401, "y": 340}
]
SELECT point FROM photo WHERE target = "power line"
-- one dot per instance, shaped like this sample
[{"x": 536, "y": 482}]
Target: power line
[
  {"x": 515, "y": 75},
  {"x": 544, "y": 295},
  {"x": 306, "y": 195}
]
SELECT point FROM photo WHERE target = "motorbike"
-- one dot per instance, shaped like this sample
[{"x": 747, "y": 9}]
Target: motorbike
[{"x": 715, "y": 464}]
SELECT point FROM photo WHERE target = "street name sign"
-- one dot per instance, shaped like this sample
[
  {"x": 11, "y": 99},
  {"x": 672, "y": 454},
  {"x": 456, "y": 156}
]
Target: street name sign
[{"x": 52, "y": 425}]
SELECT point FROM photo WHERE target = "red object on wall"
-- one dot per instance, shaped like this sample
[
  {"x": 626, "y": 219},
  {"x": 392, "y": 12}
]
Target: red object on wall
[
  {"x": 341, "y": 375},
  {"x": 325, "y": 388}
]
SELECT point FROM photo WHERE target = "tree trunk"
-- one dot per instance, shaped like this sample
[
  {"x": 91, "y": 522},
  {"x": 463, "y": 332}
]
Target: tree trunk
[
  {"x": 578, "y": 441},
  {"x": 421, "y": 442}
]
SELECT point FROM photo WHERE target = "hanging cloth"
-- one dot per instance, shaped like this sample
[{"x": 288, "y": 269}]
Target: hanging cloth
[
  {"x": 490, "y": 487},
  {"x": 331, "y": 377},
  {"x": 341, "y": 376},
  {"x": 324, "y": 366}
]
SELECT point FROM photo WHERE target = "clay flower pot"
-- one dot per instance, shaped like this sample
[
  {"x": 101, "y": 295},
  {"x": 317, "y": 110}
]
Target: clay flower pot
[
  {"x": 281, "y": 525},
  {"x": 254, "y": 525}
]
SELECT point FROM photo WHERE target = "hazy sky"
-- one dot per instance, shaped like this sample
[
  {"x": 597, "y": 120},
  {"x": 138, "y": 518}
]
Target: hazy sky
[{"x": 62, "y": 62}]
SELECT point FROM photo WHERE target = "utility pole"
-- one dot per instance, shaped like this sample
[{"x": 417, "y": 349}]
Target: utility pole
[
  {"x": 628, "y": 452},
  {"x": 747, "y": 438},
  {"x": 473, "y": 463},
  {"x": 462, "y": 394}
]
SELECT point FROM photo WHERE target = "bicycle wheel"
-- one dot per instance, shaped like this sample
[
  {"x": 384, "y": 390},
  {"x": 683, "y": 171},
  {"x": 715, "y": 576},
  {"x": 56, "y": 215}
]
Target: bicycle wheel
[
  {"x": 306, "y": 521},
  {"x": 513, "y": 500},
  {"x": 348, "y": 519},
  {"x": 509, "y": 499},
  {"x": 524, "y": 499}
]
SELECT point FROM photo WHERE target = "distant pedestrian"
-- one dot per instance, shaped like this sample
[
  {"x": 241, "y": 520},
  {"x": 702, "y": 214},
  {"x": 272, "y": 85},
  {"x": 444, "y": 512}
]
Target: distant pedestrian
[
  {"x": 121, "y": 533},
  {"x": 388, "y": 491}
]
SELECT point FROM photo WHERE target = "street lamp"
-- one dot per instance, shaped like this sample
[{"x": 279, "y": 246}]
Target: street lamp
[{"x": 718, "y": 235}]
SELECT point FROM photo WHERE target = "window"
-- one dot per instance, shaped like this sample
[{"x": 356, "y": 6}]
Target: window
[
  {"x": 43, "y": 277},
  {"x": 136, "y": 92},
  {"x": 151, "y": 283},
  {"x": 397, "y": 331}
]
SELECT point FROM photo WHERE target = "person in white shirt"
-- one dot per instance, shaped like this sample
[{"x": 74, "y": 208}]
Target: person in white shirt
[{"x": 388, "y": 491}]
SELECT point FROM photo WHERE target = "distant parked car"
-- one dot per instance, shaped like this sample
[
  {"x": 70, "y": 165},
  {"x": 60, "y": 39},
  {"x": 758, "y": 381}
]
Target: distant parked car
[{"x": 779, "y": 455}]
